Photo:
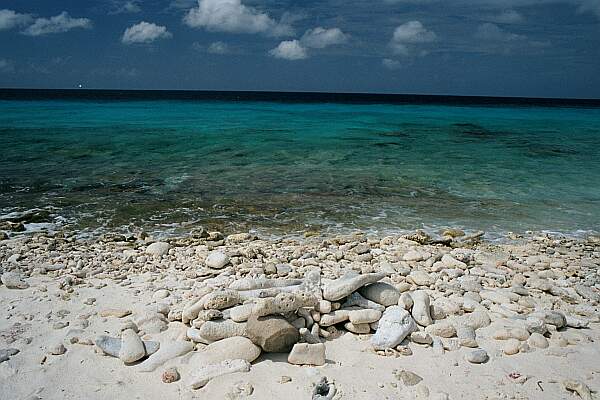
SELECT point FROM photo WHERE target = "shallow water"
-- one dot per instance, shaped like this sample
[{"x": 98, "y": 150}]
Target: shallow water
[{"x": 169, "y": 165}]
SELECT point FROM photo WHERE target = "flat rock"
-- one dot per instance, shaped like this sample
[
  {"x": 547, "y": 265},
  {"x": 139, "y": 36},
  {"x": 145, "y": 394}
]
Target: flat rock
[
  {"x": 222, "y": 329},
  {"x": 344, "y": 286},
  {"x": 227, "y": 349},
  {"x": 115, "y": 312},
  {"x": 307, "y": 354},
  {"x": 204, "y": 374}
]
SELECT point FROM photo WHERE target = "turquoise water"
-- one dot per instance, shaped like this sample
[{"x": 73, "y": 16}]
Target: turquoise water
[{"x": 168, "y": 165}]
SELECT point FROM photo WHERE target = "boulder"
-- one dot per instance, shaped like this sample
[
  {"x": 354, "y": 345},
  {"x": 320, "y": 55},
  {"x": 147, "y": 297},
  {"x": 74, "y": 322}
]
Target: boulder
[
  {"x": 395, "y": 324},
  {"x": 307, "y": 354},
  {"x": 273, "y": 334}
]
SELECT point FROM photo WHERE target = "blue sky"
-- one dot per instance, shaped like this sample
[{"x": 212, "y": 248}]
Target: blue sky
[{"x": 547, "y": 48}]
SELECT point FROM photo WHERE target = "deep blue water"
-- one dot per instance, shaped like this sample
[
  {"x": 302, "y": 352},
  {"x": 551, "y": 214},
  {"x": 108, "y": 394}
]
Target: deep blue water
[{"x": 285, "y": 163}]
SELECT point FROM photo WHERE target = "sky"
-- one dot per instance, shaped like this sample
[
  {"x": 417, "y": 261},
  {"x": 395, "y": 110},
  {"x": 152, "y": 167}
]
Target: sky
[{"x": 536, "y": 48}]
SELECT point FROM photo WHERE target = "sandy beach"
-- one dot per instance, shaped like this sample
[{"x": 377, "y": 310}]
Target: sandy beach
[{"x": 240, "y": 317}]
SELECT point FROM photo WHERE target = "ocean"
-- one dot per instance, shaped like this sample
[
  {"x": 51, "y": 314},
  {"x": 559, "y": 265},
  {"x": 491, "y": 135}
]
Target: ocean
[{"x": 285, "y": 163}]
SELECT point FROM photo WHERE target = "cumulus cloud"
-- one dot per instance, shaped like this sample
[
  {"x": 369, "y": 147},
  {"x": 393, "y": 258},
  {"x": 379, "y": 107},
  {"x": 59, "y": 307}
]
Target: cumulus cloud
[
  {"x": 391, "y": 64},
  {"x": 492, "y": 32},
  {"x": 218, "y": 48},
  {"x": 145, "y": 32},
  {"x": 126, "y": 7},
  {"x": 289, "y": 50},
  {"x": 409, "y": 34},
  {"x": 317, "y": 38},
  {"x": 62, "y": 22},
  {"x": 10, "y": 19},
  {"x": 320, "y": 38},
  {"x": 234, "y": 17}
]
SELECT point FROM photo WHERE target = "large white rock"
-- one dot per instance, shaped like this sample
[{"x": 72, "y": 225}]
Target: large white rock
[
  {"x": 132, "y": 347},
  {"x": 158, "y": 249},
  {"x": 395, "y": 324},
  {"x": 217, "y": 260},
  {"x": 421, "y": 310},
  {"x": 12, "y": 280}
]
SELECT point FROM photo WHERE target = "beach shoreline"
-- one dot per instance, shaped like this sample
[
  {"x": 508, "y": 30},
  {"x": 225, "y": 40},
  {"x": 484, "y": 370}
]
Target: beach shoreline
[{"x": 529, "y": 303}]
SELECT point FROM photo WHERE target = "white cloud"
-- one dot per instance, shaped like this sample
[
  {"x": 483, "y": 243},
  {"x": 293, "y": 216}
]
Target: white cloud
[
  {"x": 234, "y": 17},
  {"x": 391, "y": 64},
  {"x": 62, "y": 22},
  {"x": 10, "y": 19},
  {"x": 145, "y": 32},
  {"x": 408, "y": 34},
  {"x": 289, "y": 50},
  {"x": 126, "y": 7},
  {"x": 494, "y": 33},
  {"x": 320, "y": 38},
  {"x": 218, "y": 48}
]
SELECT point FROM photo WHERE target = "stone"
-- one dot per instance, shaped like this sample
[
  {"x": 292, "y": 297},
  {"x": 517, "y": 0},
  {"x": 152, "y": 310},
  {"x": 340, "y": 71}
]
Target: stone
[
  {"x": 442, "y": 329},
  {"x": 262, "y": 283},
  {"x": 216, "y": 260},
  {"x": 578, "y": 387},
  {"x": 466, "y": 335},
  {"x": 284, "y": 303},
  {"x": 478, "y": 356},
  {"x": 421, "y": 310},
  {"x": 334, "y": 317},
  {"x": 132, "y": 347},
  {"x": 381, "y": 293},
  {"x": 511, "y": 346},
  {"x": 221, "y": 299},
  {"x": 365, "y": 316},
  {"x": 222, "y": 329},
  {"x": 476, "y": 319},
  {"x": 158, "y": 249},
  {"x": 308, "y": 336},
  {"x": 421, "y": 337},
  {"x": 13, "y": 280},
  {"x": 538, "y": 340},
  {"x": 204, "y": 374},
  {"x": 241, "y": 313},
  {"x": 451, "y": 262},
  {"x": 577, "y": 323},
  {"x": 307, "y": 354},
  {"x": 324, "y": 390},
  {"x": 356, "y": 300},
  {"x": 151, "y": 322},
  {"x": 57, "y": 350},
  {"x": 359, "y": 329},
  {"x": 167, "y": 351},
  {"x": 273, "y": 334},
  {"x": 170, "y": 375},
  {"x": 112, "y": 346},
  {"x": 115, "y": 312},
  {"x": 350, "y": 282},
  {"x": 227, "y": 349},
  {"x": 395, "y": 324},
  {"x": 406, "y": 301},
  {"x": 420, "y": 278},
  {"x": 408, "y": 378}
]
